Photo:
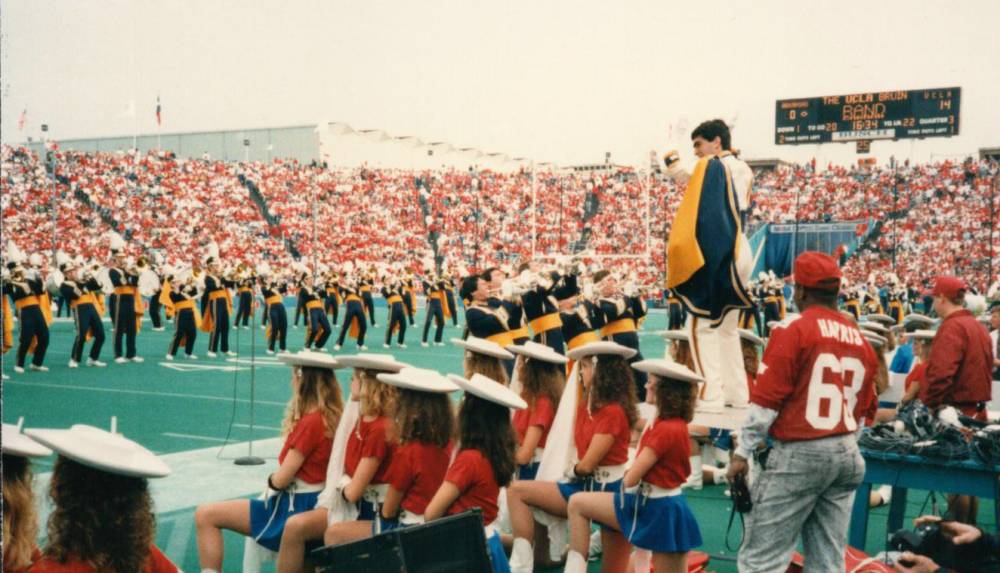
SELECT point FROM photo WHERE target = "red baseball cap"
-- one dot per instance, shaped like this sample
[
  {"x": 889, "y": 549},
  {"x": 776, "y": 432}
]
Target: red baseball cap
[
  {"x": 817, "y": 270},
  {"x": 948, "y": 287}
]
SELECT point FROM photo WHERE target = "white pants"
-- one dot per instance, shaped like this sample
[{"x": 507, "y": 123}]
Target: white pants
[{"x": 718, "y": 357}]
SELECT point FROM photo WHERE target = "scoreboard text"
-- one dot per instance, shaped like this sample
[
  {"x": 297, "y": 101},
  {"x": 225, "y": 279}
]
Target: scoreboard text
[{"x": 876, "y": 115}]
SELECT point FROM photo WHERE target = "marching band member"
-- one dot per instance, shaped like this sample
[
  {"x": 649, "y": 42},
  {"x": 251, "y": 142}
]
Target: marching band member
[
  {"x": 495, "y": 278},
  {"x": 216, "y": 305},
  {"x": 274, "y": 290},
  {"x": 20, "y": 518},
  {"x": 852, "y": 302},
  {"x": 618, "y": 315},
  {"x": 542, "y": 376},
  {"x": 485, "y": 461},
  {"x": 25, "y": 292},
  {"x": 358, "y": 472},
  {"x": 155, "y": 304},
  {"x": 604, "y": 417},
  {"x": 113, "y": 531},
  {"x": 317, "y": 326},
  {"x": 367, "y": 283},
  {"x": 300, "y": 310},
  {"x": 181, "y": 294},
  {"x": 650, "y": 510},
  {"x": 482, "y": 319},
  {"x": 423, "y": 425},
  {"x": 541, "y": 310},
  {"x": 410, "y": 299},
  {"x": 127, "y": 312},
  {"x": 244, "y": 283},
  {"x": 84, "y": 298},
  {"x": 449, "y": 294},
  {"x": 354, "y": 315},
  {"x": 332, "y": 304},
  {"x": 484, "y": 357},
  {"x": 577, "y": 328},
  {"x": 393, "y": 293},
  {"x": 312, "y": 416},
  {"x": 434, "y": 293}
]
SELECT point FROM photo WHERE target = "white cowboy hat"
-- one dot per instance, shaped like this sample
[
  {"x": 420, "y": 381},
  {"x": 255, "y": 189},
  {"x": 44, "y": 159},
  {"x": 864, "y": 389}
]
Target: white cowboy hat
[
  {"x": 874, "y": 327},
  {"x": 874, "y": 339},
  {"x": 489, "y": 389},
  {"x": 884, "y": 319},
  {"x": 751, "y": 337},
  {"x": 17, "y": 444},
  {"x": 918, "y": 319},
  {"x": 676, "y": 334},
  {"x": 371, "y": 361},
  {"x": 542, "y": 352},
  {"x": 921, "y": 334},
  {"x": 483, "y": 346},
  {"x": 668, "y": 369},
  {"x": 601, "y": 347},
  {"x": 102, "y": 450},
  {"x": 419, "y": 379},
  {"x": 310, "y": 358}
]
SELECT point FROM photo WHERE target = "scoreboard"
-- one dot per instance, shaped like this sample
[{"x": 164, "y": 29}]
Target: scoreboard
[{"x": 867, "y": 116}]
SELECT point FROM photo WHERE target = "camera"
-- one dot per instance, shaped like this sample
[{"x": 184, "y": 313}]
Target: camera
[
  {"x": 741, "y": 494},
  {"x": 926, "y": 540}
]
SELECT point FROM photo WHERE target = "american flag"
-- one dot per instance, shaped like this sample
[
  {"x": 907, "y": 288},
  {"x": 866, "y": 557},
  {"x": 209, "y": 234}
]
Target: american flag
[{"x": 158, "y": 117}]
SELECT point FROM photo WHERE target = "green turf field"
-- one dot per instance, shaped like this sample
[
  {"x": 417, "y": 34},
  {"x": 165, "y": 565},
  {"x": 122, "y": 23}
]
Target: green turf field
[{"x": 197, "y": 414}]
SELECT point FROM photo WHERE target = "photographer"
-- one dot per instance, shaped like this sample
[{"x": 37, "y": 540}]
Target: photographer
[{"x": 976, "y": 549}]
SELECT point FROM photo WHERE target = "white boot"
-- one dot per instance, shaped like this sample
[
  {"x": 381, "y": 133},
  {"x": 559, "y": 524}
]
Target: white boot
[
  {"x": 575, "y": 563},
  {"x": 522, "y": 556},
  {"x": 695, "y": 481}
]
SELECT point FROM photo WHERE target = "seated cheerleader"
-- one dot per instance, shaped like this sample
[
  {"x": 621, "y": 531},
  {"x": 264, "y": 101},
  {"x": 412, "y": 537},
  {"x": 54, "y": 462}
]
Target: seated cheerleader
[
  {"x": 650, "y": 511},
  {"x": 102, "y": 518},
  {"x": 484, "y": 357},
  {"x": 361, "y": 476},
  {"x": 422, "y": 430},
  {"x": 311, "y": 418},
  {"x": 485, "y": 460},
  {"x": 915, "y": 386},
  {"x": 541, "y": 374},
  {"x": 20, "y": 518},
  {"x": 604, "y": 416}
]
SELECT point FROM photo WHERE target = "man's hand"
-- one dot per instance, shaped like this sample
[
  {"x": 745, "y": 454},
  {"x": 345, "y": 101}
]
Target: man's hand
[
  {"x": 912, "y": 563},
  {"x": 958, "y": 533},
  {"x": 737, "y": 466}
]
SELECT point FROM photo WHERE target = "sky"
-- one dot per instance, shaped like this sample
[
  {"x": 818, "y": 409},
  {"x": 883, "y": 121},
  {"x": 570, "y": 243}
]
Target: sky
[{"x": 550, "y": 80}]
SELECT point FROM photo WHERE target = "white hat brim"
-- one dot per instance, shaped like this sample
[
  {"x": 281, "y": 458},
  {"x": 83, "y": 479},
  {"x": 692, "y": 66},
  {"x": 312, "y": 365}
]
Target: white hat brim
[
  {"x": 875, "y": 339},
  {"x": 418, "y": 379},
  {"x": 536, "y": 351},
  {"x": 489, "y": 389},
  {"x": 919, "y": 319},
  {"x": 751, "y": 336},
  {"x": 378, "y": 362},
  {"x": 676, "y": 334},
  {"x": 483, "y": 346},
  {"x": 873, "y": 327},
  {"x": 102, "y": 450},
  {"x": 311, "y": 358},
  {"x": 922, "y": 334},
  {"x": 601, "y": 347},
  {"x": 882, "y": 318},
  {"x": 15, "y": 443},
  {"x": 668, "y": 369}
]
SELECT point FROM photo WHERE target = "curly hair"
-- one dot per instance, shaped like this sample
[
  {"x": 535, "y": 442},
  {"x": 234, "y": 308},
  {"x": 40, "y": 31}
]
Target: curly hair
[
  {"x": 423, "y": 417},
  {"x": 541, "y": 379},
  {"x": 488, "y": 366},
  {"x": 613, "y": 382},
  {"x": 101, "y": 518},
  {"x": 882, "y": 374},
  {"x": 751, "y": 360},
  {"x": 680, "y": 351},
  {"x": 318, "y": 390},
  {"x": 485, "y": 426},
  {"x": 674, "y": 398},
  {"x": 377, "y": 399},
  {"x": 20, "y": 521}
]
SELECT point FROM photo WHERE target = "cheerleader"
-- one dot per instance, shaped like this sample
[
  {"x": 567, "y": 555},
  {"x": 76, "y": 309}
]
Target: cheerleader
[
  {"x": 112, "y": 531},
  {"x": 649, "y": 510},
  {"x": 915, "y": 385},
  {"x": 359, "y": 476},
  {"x": 311, "y": 417},
  {"x": 485, "y": 463},
  {"x": 317, "y": 326},
  {"x": 541, "y": 374},
  {"x": 20, "y": 520},
  {"x": 422, "y": 428},
  {"x": 483, "y": 357},
  {"x": 605, "y": 414}
]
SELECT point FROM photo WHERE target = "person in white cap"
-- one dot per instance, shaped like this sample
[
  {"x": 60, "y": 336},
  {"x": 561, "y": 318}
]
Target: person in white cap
[
  {"x": 423, "y": 423},
  {"x": 602, "y": 429},
  {"x": 361, "y": 479},
  {"x": 312, "y": 416},
  {"x": 20, "y": 520},
  {"x": 483, "y": 357},
  {"x": 650, "y": 512},
  {"x": 541, "y": 372},
  {"x": 113, "y": 531},
  {"x": 485, "y": 463}
]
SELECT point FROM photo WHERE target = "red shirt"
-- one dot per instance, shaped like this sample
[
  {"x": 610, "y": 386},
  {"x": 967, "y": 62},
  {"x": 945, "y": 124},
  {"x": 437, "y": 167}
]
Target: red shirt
[
  {"x": 818, "y": 372},
  {"x": 959, "y": 369},
  {"x": 36, "y": 554},
  {"x": 368, "y": 440},
  {"x": 608, "y": 419},
  {"x": 417, "y": 470},
  {"x": 157, "y": 563},
  {"x": 672, "y": 444},
  {"x": 472, "y": 474},
  {"x": 310, "y": 439},
  {"x": 918, "y": 375},
  {"x": 540, "y": 414}
]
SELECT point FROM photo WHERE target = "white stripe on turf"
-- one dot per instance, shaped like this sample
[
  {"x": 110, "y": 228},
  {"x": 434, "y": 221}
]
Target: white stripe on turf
[{"x": 138, "y": 392}]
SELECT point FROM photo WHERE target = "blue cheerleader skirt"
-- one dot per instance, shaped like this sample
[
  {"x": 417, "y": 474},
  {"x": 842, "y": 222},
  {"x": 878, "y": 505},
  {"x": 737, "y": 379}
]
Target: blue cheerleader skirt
[
  {"x": 267, "y": 518},
  {"x": 569, "y": 488},
  {"x": 498, "y": 558},
  {"x": 528, "y": 471},
  {"x": 661, "y": 525}
]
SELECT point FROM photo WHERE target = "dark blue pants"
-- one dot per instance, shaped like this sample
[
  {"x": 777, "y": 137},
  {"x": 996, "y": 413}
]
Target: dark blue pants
[
  {"x": 353, "y": 309},
  {"x": 451, "y": 308},
  {"x": 243, "y": 309},
  {"x": 184, "y": 329},
  {"x": 434, "y": 310},
  {"x": 279, "y": 325},
  {"x": 87, "y": 322},
  {"x": 332, "y": 308},
  {"x": 369, "y": 305},
  {"x": 408, "y": 303},
  {"x": 319, "y": 328},
  {"x": 32, "y": 326},
  {"x": 154, "y": 310},
  {"x": 125, "y": 326},
  {"x": 552, "y": 338},
  {"x": 219, "y": 335},
  {"x": 397, "y": 319}
]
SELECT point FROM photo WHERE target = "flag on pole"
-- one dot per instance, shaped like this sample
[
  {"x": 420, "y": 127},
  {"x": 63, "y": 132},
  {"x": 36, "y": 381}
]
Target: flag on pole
[
  {"x": 158, "y": 117},
  {"x": 22, "y": 120}
]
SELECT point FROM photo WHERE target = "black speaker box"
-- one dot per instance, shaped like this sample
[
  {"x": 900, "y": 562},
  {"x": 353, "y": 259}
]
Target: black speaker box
[{"x": 454, "y": 544}]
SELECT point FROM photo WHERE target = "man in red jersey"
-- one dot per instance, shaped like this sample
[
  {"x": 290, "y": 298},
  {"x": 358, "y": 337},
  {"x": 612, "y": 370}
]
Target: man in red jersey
[{"x": 814, "y": 390}]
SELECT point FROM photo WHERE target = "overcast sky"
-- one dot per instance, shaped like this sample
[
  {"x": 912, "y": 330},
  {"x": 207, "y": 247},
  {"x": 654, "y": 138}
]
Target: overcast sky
[{"x": 557, "y": 81}]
